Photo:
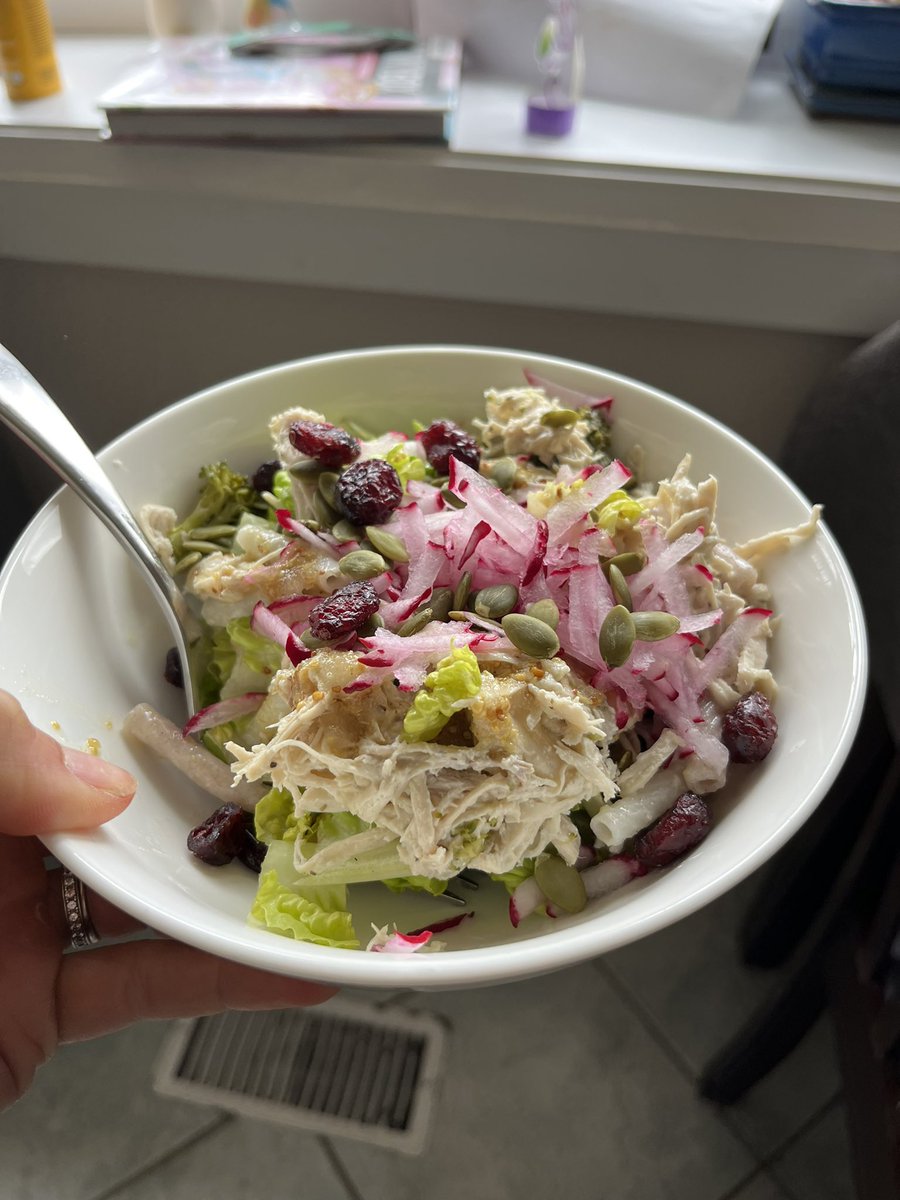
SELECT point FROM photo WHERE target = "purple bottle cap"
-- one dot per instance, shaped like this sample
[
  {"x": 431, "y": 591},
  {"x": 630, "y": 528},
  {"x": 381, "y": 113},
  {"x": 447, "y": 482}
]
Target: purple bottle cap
[{"x": 549, "y": 122}]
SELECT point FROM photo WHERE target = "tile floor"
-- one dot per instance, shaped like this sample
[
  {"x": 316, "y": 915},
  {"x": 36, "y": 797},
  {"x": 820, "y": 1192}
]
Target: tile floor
[{"x": 580, "y": 1083}]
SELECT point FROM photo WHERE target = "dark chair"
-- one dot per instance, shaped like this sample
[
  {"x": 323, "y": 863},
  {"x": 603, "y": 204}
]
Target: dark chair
[
  {"x": 16, "y": 504},
  {"x": 828, "y": 908}
]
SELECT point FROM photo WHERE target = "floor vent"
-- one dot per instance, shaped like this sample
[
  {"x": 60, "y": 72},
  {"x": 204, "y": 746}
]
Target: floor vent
[{"x": 346, "y": 1069}]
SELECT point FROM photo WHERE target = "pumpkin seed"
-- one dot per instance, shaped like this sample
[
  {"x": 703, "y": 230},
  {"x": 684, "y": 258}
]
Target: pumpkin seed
[
  {"x": 362, "y": 564},
  {"x": 619, "y": 587},
  {"x": 560, "y": 418},
  {"x": 370, "y": 625},
  {"x": 305, "y": 467},
  {"x": 461, "y": 592},
  {"x": 344, "y": 531},
  {"x": 311, "y": 642},
  {"x": 544, "y": 610},
  {"x": 414, "y": 623},
  {"x": 326, "y": 484},
  {"x": 616, "y": 636},
  {"x": 533, "y": 637},
  {"x": 185, "y": 563},
  {"x": 387, "y": 544},
  {"x": 440, "y": 602},
  {"x": 496, "y": 601},
  {"x": 654, "y": 626},
  {"x": 453, "y": 501},
  {"x": 503, "y": 473},
  {"x": 628, "y": 563},
  {"x": 560, "y": 883},
  {"x": 325, "y": 514},
  {"x": 626, "y": 758}
]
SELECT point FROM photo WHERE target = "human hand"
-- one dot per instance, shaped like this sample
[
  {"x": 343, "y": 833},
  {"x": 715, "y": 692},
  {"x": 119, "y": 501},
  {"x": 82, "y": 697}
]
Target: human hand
[{"x": 48, "y": 997}]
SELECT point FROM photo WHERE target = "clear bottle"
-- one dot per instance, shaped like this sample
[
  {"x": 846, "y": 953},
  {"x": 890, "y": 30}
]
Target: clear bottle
[
  {"x": 182, "y": 18},
  {"x": 559, "y": 53},
  {"x": 27, "y": 53}
]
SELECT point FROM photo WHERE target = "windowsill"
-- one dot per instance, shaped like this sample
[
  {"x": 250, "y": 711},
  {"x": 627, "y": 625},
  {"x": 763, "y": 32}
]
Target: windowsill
[{"x": 638, "y": 211}]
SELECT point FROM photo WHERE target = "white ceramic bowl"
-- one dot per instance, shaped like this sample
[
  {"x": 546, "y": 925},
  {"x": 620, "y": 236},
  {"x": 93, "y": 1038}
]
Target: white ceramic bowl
[{"x": 81, "y": 641}]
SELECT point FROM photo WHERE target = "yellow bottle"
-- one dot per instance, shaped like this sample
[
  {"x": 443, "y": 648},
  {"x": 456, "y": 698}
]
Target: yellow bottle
[{"x": 27, "y": 55}]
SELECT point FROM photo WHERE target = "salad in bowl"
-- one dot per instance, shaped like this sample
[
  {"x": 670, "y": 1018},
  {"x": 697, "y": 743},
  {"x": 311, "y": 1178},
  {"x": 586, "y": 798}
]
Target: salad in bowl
[{"x": 495, "y": 652}]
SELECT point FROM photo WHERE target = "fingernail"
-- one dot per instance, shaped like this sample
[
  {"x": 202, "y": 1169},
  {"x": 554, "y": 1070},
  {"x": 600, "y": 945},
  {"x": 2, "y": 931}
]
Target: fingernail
[{"x": 99, "y": 773}]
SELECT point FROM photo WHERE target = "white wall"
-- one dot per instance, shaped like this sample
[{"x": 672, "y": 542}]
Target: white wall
[{"x": 113, "y": 346}]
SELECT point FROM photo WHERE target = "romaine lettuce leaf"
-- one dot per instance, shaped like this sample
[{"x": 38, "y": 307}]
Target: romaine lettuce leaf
[
  {"x": 274, "y": 818},
  {"x": 309, "y": 914},
  {"x": 456, "y": 680},
  {"x": 255, "y": 660}
]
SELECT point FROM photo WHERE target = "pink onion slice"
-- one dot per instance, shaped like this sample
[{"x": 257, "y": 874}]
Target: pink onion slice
[
  {"x": 563, "y": 517},
  {"x": 666, "y": 560},
  {"x": 269, "y": 625},
  {"x": 403, "y": 943},
  {"x": 293, "y": 609},
  {"x": 286, "y": 521},
  {"x": 722, "y": 658},
  {"x": 610, "y": 875},
  {"x": 441, "y": 926},
  {"x": 223, "y": 711},
  {"x": 567, "y": 396},
  {"x": 525, "y": 900},
  {"x": 486, "y": 503}
]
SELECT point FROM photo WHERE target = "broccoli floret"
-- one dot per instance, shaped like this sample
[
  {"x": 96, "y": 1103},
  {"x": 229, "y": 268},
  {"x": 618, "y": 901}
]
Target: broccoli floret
[{"x": 224, "y": 497}]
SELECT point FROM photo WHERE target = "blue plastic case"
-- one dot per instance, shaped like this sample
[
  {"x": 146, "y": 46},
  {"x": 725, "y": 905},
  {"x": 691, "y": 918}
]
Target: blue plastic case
[{"x": 852, "y": 44}]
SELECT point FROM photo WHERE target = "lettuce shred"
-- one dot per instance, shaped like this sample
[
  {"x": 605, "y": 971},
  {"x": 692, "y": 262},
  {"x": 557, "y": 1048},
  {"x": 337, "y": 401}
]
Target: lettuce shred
[
  {"x": 407, "y": 466},
  {"x": 283, "y": 492}
]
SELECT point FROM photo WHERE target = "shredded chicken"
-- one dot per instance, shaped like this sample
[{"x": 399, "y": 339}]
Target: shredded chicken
[
  {"x": 157, "y": 522},
  {"x": 514, "y": 426},
  {"x": 229, "y": 585},
  {"x": 782, "y": 539},
  {"x": 683, "y": 506},
  {"x": 538, "y": 748}
]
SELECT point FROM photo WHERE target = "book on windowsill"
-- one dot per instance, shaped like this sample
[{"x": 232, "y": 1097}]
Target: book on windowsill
[{"x": 197, "y": 90}]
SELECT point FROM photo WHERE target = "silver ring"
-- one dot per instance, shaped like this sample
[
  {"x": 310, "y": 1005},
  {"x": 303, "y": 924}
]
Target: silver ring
[{"x": 81, "y": 927}]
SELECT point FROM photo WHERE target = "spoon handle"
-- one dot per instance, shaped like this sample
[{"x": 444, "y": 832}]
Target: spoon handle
[{"x": 30, "y": 412}]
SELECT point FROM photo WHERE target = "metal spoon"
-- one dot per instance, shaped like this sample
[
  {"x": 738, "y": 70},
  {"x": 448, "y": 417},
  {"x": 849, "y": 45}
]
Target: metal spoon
[{"x": 31, "y": 414}]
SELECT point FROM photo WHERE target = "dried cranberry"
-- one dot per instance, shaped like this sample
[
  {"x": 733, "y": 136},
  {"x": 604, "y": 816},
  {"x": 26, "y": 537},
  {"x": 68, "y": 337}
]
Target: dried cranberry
[
  {"x": 680, "y": 829},
  {"x": 173, "y": 673},
  {"x": 368, "y": 492},
  {"x": 328, "y": 444},
  {"x": 343, "y": 611},
  {"x": 444, "y": 440},
  {"x": 264, "y": 475},
  {"x": 221, "y": 837},
  {"x": 749, "y": 729},
  {"x": 252, "y": 851}
]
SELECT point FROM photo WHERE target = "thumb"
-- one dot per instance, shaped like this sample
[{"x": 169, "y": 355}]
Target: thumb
[{"x": 45, "y": 787}]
